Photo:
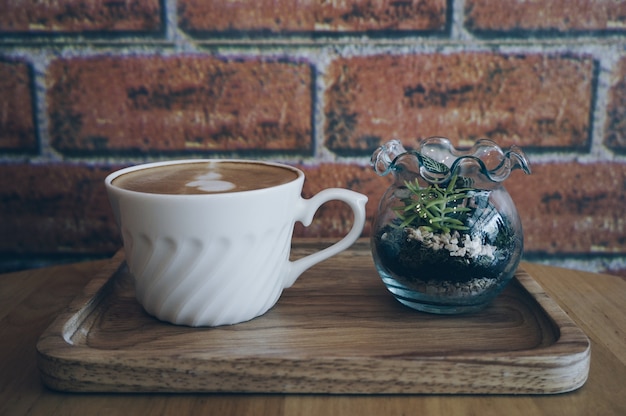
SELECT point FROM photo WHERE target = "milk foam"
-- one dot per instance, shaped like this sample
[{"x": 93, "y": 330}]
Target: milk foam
[{"x": 211, "y": 182}]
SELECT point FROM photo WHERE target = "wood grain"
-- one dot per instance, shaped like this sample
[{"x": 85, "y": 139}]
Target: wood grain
[
  {"x": 593, "y": 301},
  {"x": 337, "y": 330}
]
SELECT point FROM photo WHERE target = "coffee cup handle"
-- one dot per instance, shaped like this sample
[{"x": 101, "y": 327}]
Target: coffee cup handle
[{"x": 305, "y": 214}]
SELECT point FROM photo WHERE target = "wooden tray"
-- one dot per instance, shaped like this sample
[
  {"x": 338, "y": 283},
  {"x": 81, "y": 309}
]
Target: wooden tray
[{"x": 337, "y": 330}]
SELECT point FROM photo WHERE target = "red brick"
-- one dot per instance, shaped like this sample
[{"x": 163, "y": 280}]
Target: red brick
[
  {"x": 334, "y": 219},
  {"x": 565, "y": 208},
  {"x": 17, "y": 128},
  {"x": 546, "y": 15},
  {"x": 297, "y": 16},
  {"x": 63, "y": 209},
  {"x": 529, "y": 100},
  {"x": 55, "y": 209},
  {"x": 80, "y": 15},
  {"x": 572, "y": 208},
  {"x": 179, "y": 103},
  {"x": 615, "y": 128}
]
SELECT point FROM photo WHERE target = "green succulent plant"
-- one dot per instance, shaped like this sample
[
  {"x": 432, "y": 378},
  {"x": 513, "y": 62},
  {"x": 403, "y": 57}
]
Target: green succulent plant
[{"x": 435, "y": 208}]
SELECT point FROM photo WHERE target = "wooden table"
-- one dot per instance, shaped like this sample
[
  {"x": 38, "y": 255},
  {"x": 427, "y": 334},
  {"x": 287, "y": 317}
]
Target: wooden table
[{"x": 30, "y": 300}]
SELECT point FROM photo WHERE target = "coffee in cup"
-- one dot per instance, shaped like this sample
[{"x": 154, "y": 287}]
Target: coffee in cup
[{"x": 205, "y": 178}]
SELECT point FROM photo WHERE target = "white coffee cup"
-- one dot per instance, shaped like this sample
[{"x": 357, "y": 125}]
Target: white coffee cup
[{"x": 209, "y": 259}]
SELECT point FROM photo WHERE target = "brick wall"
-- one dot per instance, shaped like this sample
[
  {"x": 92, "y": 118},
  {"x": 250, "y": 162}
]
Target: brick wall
[{"x": 87, "y": 87}]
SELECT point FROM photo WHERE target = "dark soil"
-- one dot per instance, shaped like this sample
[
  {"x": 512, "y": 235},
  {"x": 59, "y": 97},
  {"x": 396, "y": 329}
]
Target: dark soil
[{"x": 412, "y": 260}]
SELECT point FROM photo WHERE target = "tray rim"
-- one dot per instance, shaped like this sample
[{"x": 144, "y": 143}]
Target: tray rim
[{"x": 566, "y": 360}]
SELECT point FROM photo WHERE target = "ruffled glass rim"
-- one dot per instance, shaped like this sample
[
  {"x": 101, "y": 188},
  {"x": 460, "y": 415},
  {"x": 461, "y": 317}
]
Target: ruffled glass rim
[{"x": 439, "y": 160}]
